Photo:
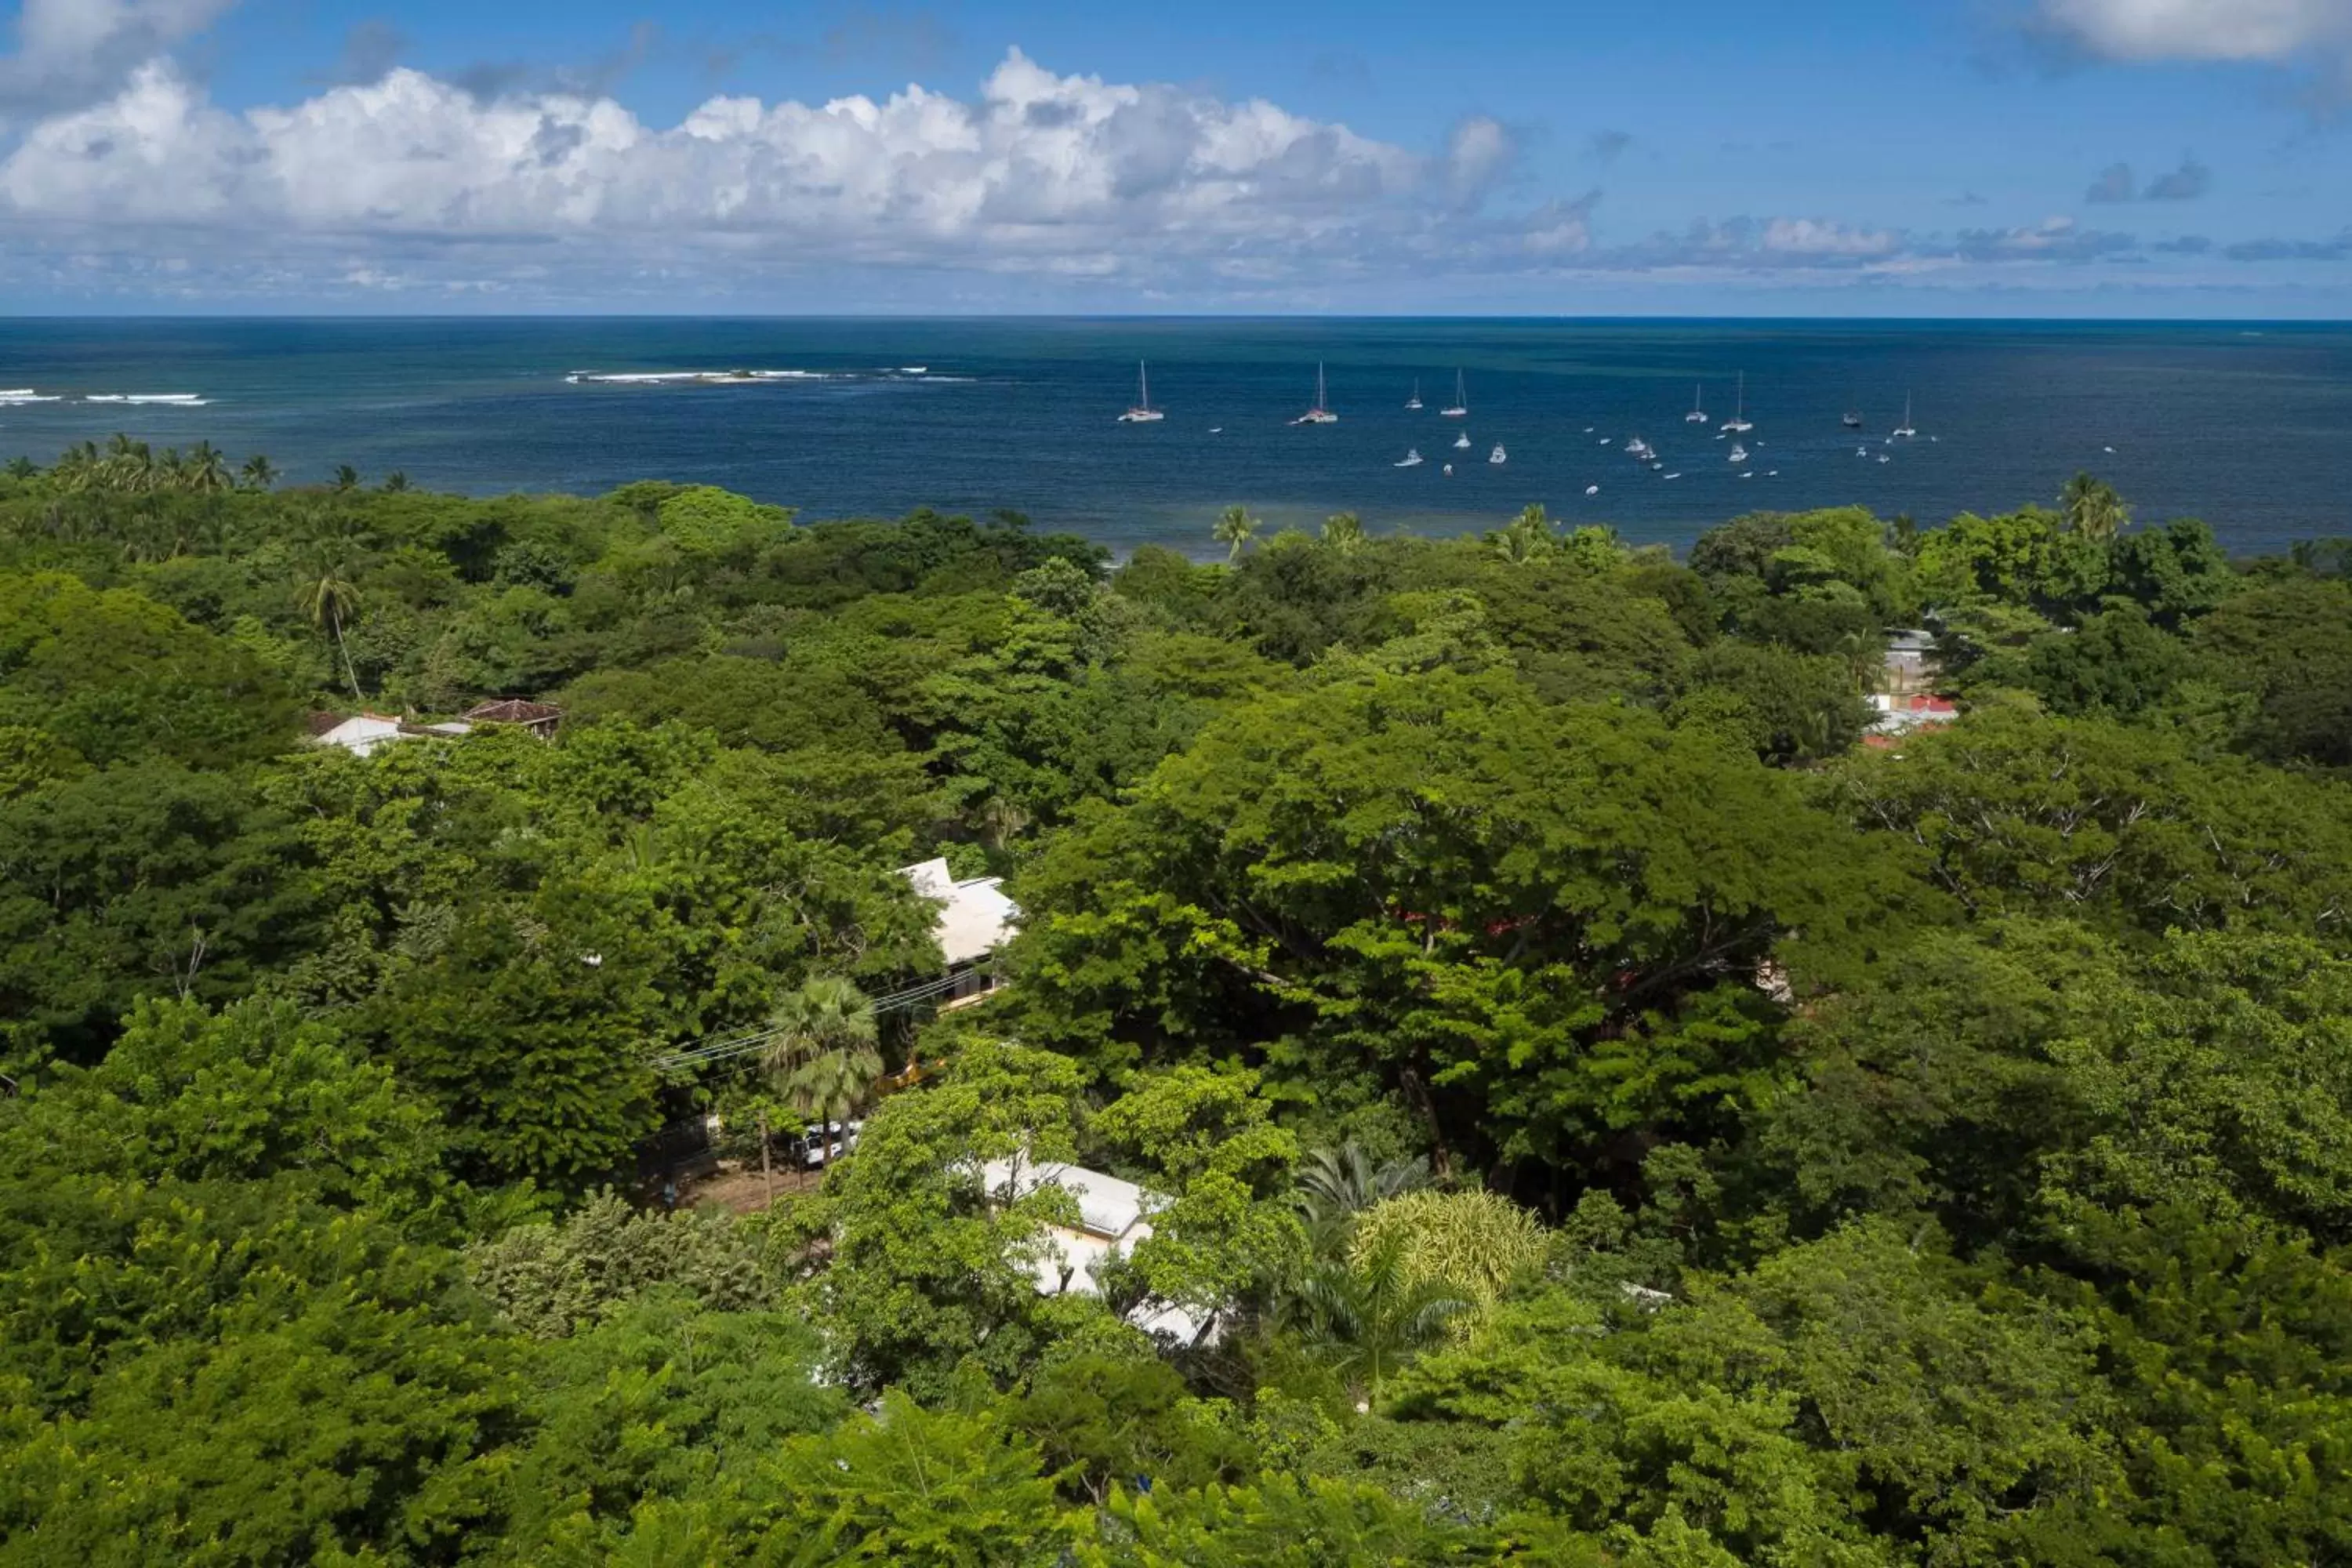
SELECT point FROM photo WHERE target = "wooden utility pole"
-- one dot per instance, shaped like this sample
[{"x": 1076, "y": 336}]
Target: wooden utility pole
[{"x": 767, "y": 1165}]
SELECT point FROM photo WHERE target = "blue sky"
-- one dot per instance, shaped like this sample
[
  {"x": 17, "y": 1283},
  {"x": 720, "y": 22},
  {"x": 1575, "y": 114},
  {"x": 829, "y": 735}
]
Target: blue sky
[{"x": 1976, "y": 157}]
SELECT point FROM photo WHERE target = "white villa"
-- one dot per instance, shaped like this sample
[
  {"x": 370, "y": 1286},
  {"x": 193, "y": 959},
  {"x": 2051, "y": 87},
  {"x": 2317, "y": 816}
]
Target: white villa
[
  {"x": 975, "y": 918},
  {"x": 1112, "y": 1217}
]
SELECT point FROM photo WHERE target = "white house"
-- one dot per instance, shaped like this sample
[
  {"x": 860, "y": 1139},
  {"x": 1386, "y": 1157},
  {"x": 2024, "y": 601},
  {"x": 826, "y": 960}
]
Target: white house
[
  {"x": 1112, "y": 1217},
  {"x": 360, "y": 734},
  {"x": 975, "y": 920}
]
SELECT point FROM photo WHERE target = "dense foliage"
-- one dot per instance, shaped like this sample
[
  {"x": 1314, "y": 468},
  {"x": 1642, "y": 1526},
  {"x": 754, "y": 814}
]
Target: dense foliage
[{"x": 1599, "y": 1111}]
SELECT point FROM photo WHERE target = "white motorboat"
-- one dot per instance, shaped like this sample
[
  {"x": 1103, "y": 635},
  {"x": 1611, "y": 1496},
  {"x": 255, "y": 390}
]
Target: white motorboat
[
  {"x": 1497, "y": 455},
  {"x": 1593, "y": 489},
  {"x": 1411, "y": 459},
  {"x": 1142, "y": 412},
  {"x": 1461, "y": 442},
  {"x": 1738, "y": 454}
]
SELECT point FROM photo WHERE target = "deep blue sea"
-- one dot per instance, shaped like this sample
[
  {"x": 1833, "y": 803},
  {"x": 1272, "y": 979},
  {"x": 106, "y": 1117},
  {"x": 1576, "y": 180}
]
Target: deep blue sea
[{"x": 2245, "y": 426}]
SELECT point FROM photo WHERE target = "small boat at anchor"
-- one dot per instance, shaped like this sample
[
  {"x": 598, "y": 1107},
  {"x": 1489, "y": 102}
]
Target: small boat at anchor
[
  {"x": 1142, "y": 412},
  {"x": 1321, "y": 412},
  {"x": 1497, "y": 456},
  {"x": 1411, "y": 459}
]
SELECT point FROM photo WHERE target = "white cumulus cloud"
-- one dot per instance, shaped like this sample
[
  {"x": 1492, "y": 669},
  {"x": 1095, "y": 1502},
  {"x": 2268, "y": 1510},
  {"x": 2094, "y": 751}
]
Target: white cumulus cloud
[
  {"x": 2243, "y": 30},
  {"x": 1038, "y": 167}
]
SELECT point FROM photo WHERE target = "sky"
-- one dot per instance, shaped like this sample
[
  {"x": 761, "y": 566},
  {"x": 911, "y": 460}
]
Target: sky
[{"x": 2059, "y": 158}]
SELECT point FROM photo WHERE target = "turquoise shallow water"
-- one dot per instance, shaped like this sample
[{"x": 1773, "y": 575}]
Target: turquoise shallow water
[{"x": 2243, "y": 426}]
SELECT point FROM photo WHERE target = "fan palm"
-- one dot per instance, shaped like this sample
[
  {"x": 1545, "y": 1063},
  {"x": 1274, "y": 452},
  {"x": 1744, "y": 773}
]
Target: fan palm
[
  {"x": 1333, "y": 1185},
  {"x": 823, "y": 1055},
  {"x": 1234, "y": 529}
]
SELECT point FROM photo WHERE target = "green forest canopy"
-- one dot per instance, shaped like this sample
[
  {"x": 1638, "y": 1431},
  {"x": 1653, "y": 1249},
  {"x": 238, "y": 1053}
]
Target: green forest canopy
[{"x": 1607, "y": 1114}]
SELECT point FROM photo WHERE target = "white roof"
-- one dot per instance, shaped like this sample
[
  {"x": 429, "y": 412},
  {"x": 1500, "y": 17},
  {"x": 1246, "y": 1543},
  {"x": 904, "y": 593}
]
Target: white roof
[
  {"x": 361, "y": 734},
  {"x": 975, "y": 917},
  {"x": 1108, "y": 1207},
  {"x": 1110, "y": 1214}
]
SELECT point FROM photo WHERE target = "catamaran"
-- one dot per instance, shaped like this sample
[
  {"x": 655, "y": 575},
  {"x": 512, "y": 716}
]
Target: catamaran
[
  {"x": 1737, "y": 423},
  {"x": 1903, "y": 432},
  {"x": 1697, "y": 415},
  {"x": 1413, "y": 402},
  {"x": 1142, "y": 412},
  {"x": 1321, "y": 412},
  {"x": 1461, "y": 409}
]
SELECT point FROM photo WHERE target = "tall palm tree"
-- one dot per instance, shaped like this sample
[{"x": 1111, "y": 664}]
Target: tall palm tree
[
  {"x": 1344, "y": 531},
  {"x": 1234, "y": 529},
  {"x": 396, "y": 481},
  {"x": 346, "y": 477},
  {"x": 2092, "y": 508},
  {"x": 328, "y": 597},
  {"x": 205, "y": 468},
  {"x": 1368, "y": 1317},
  {"x": 258, "y": 473},
  {"x": 823, "y": 1055}
]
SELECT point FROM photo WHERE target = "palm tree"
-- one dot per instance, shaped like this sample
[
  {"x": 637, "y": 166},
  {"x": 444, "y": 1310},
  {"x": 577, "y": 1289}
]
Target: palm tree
[
  {"x": 23, "y": 467},
  {"x": 1335, "y": 1185},
  {"x": 346, "y": 477},
  {"x": 396, "y": 481},
  {"x": 823, "y": 1055},
  {"x": 1365, "y": 1318},
  {"x": 2093, "y": 508},
  {"x": 1234, "y": 529},
  {"x": 258, "y": 473},
  {"x": 328, "y": 598},
  {"x": 205, "y": 468},
  {"x": 1344, "y": 531}
]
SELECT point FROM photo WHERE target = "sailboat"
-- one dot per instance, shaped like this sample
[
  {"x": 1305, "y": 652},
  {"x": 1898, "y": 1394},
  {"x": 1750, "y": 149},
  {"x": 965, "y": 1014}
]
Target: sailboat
[
  {"x": 1903, "y": 432},
  {"x": 1497, "y": 456},
  {"x": 1461, "y": 442},
  {"x": 1697, "y": 415},
  {"x": 1142, "y": 412},
  {"x": 1412, "y": 459},
  {"x": 1321, "y": 412},
  {"x": 1461, "y": 409},
  {"x": 1414, "y": 403},
  {"x": 1737, "y": 423}
]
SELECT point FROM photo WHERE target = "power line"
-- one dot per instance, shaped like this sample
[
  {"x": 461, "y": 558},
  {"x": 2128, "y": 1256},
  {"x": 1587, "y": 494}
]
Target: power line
[{"x": 727, "y": 1047}]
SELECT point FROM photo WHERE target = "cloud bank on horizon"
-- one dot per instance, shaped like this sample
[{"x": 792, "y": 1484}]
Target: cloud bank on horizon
[{"x": 122, "y": 176}]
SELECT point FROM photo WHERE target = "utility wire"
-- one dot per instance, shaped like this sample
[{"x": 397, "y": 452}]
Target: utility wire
[{"x": 727, "y": 1047}]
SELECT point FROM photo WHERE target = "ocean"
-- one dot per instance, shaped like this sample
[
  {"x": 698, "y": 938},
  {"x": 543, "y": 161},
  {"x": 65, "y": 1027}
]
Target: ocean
[{"x": 2241, "y": 425}]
